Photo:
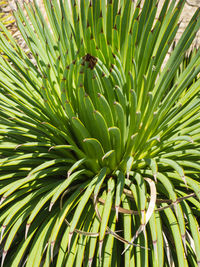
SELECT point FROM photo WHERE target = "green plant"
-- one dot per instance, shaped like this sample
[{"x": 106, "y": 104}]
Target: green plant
[
  {"x": 185, "y": 62},
  {"x": 5, "y": 14},
  {"x": 97, "y": 154}
]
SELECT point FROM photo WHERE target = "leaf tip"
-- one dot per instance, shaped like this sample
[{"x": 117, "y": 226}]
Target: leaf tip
[
  {"x": 2, "y": 232},
  {"x": 2, "y": 200},
  {"x": 90, "y": 262},
  {"x": 27, "y": 229},
  {"x": 3, "y": 257},
  {"x": 51, "y": 205},
  {"x": 155, "y": 177},
  {"x": 52, "y": 247},
  {"x": 69, "y": 242}
]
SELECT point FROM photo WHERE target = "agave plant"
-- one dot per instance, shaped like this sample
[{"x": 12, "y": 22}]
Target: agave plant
[{"x": 99, "y": 148}]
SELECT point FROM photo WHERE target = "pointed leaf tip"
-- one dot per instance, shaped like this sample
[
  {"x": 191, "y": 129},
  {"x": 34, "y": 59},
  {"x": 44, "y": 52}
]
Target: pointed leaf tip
[
  {"x": 51, "y": 205},
  {"x": 69, "y": 242},
  {"x": 155, "y": 248},
  {"x": 155, "y": 177},
  {"x": 27, "y": 229},
  {"x": 3, "y": 257},
  {"x": 2, "y": 200},
  {"x": 90, "y": 262},
  {"x": 2, "y": 232},
  {"x": 52, "y": 247},
  {"x": 184, "y": 180},
  {"x": 184, "y": 243}
]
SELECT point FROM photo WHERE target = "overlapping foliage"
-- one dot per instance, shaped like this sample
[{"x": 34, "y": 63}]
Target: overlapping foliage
[
  {"x": 99, "y": 148},
  {"x": 6, "y": 14}
]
